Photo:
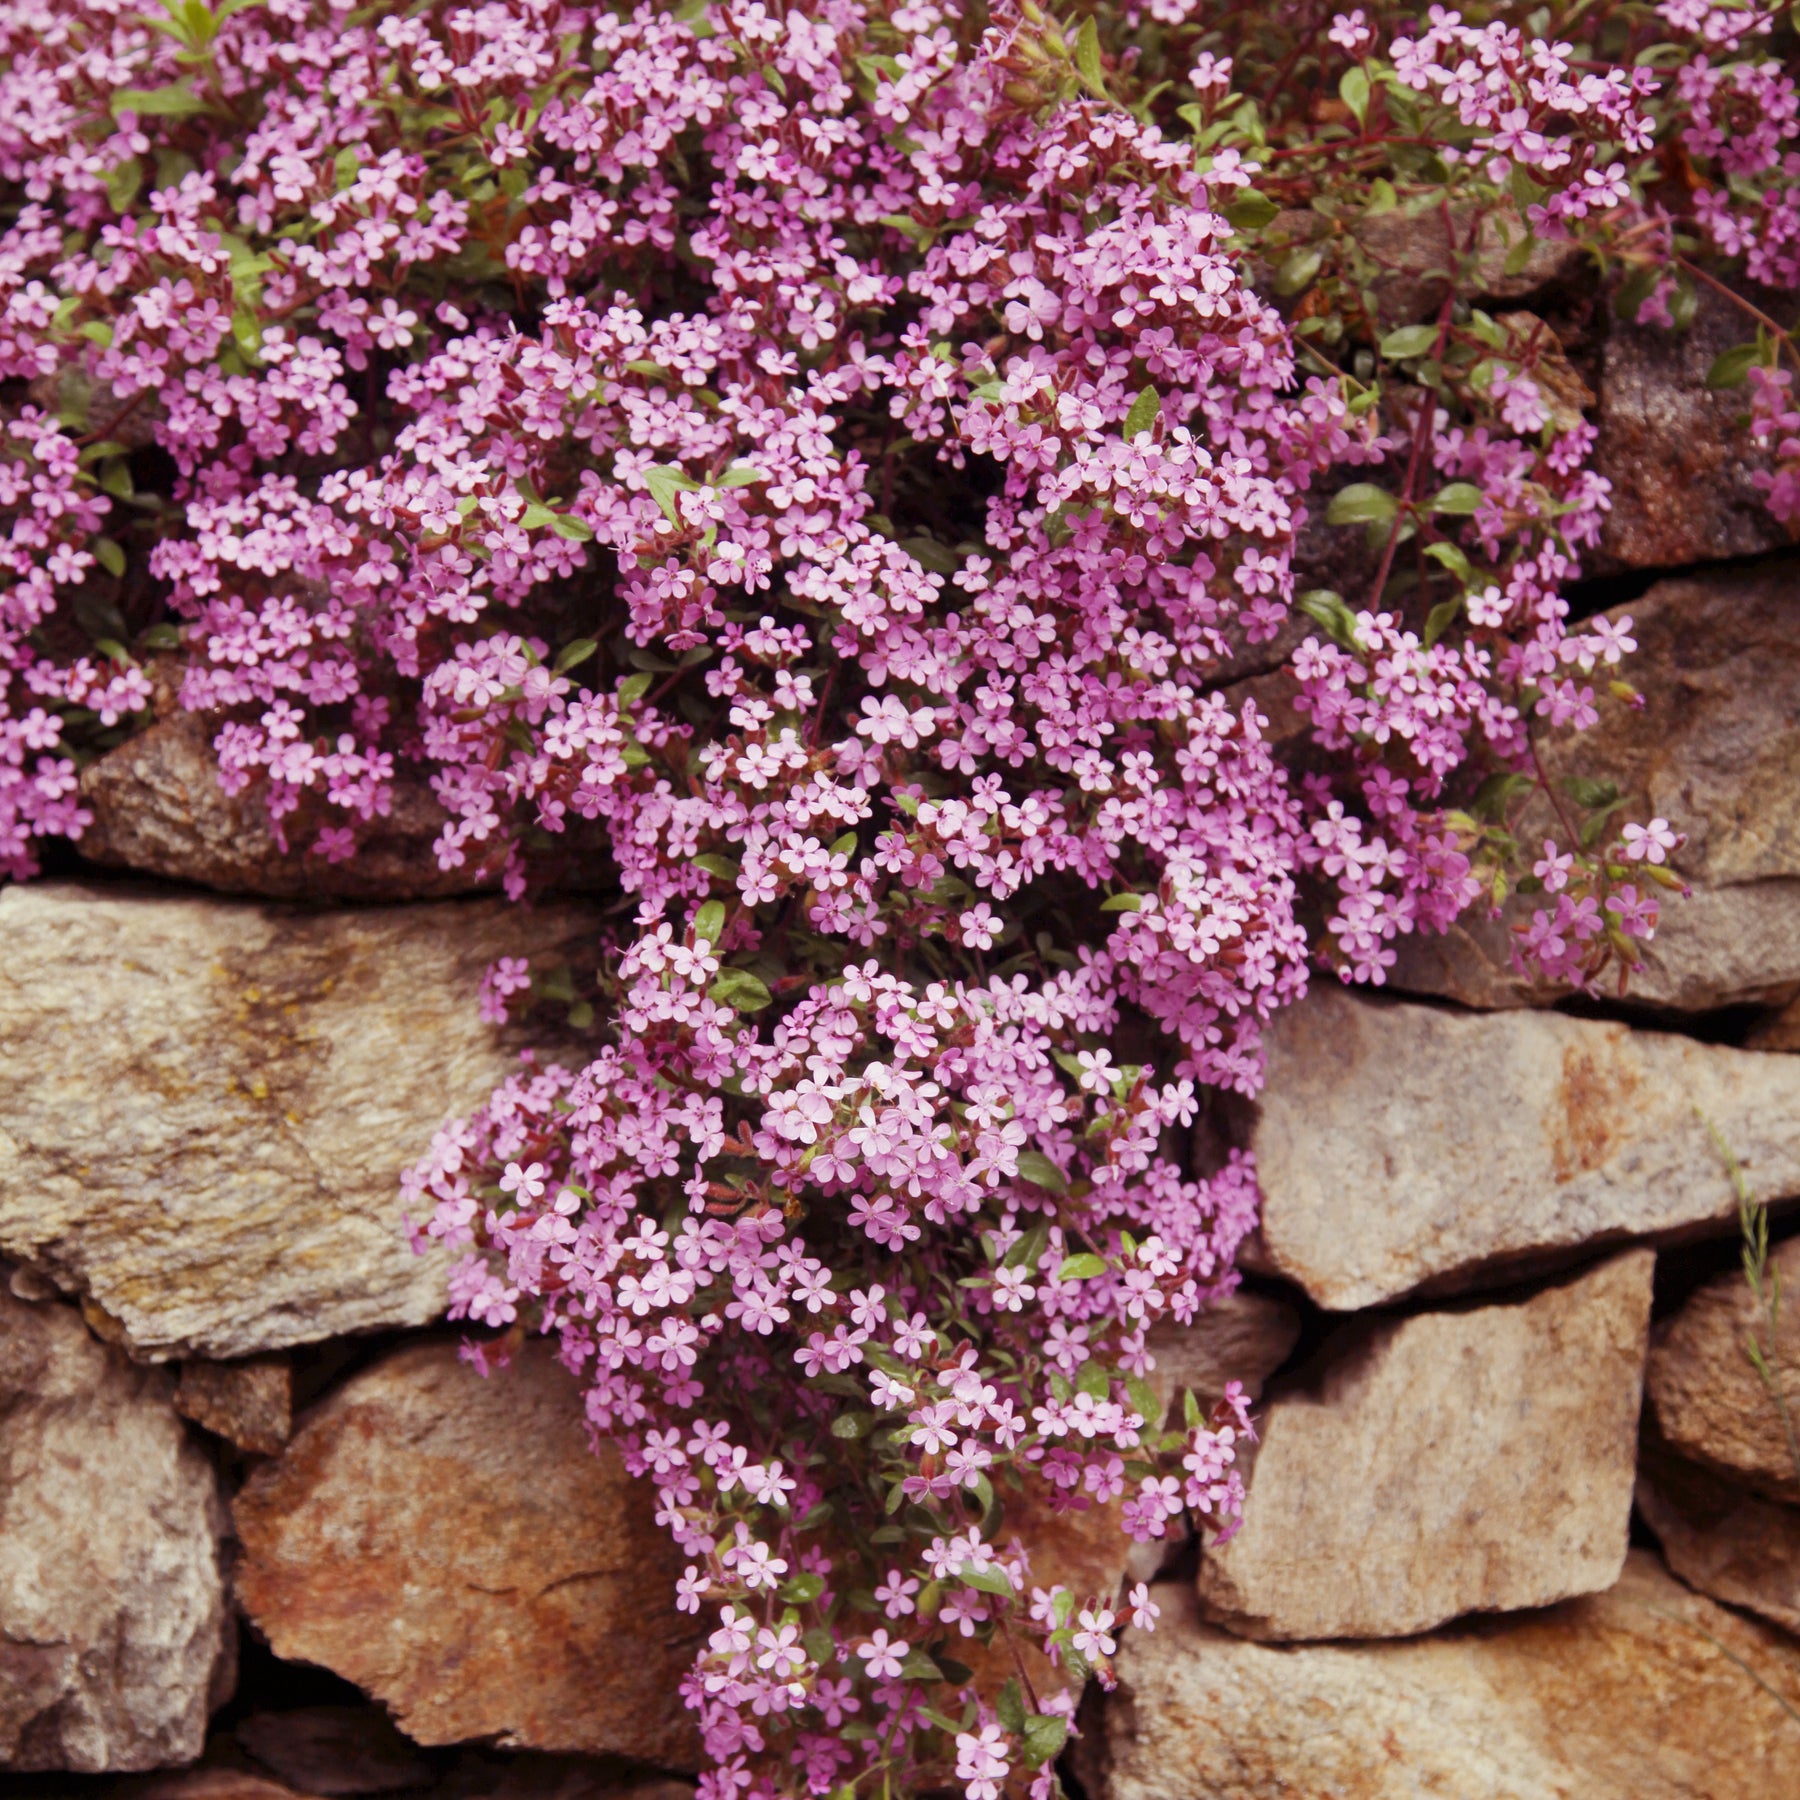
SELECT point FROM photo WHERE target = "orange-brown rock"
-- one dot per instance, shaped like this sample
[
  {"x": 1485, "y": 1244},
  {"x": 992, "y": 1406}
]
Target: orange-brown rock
[
  {"x": 453, "y": 1546},
  {"x": 1645, "y": 1692}
]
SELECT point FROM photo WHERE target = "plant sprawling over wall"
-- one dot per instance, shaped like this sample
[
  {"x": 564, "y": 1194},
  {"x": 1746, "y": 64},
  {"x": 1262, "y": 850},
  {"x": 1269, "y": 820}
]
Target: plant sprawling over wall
[{"x": 826, "y": 461}]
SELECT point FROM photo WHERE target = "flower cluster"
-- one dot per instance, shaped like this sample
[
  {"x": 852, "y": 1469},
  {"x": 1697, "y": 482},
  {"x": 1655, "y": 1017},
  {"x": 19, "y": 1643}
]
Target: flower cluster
[{"x": 826, "y": 465}]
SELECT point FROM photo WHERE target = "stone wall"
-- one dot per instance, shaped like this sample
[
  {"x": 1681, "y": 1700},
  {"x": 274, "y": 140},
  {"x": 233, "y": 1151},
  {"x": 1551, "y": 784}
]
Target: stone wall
[{"x": 1523, "y": 1519}]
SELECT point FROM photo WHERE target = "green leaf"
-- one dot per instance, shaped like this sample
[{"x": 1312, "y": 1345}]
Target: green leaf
[
  {"x": 1040, "y": 1171},
  {"x": 1083, "y": 1267},
  {"x": 1459, "y": 497},
  {"x": 740, "y": 990},
  {"x": 1146, "y": 409},
  {"x": 991, "y": 1580},
  {"x": 1353, "y": 90},
  {"x": 740, "y": 475},
  {"x": 1087, "y": 59},
  {"x": 1634, "y": 290},
  {"x": 919, "y": 1667},
  {"x": 821, "y": 1646},
  {"x": 581, "y": 1014},
  {"x": 577, "y": 531},
  {"x": 1361, "y": 503},
  {"x": 854, "y": 1425},
  {"x": 843, "y": 846},
  {"x": 721, "y": 866},
  {"x": 122, "y": 184},
  {"x": 1045, "y": 1735},
  {"x": 1251, "y": 211},
  {"x": 633, "y": 688},
  {"x": 1452, "y": 558},
  {"x": 709, "y": 922},
  {"x": 1011, "y": 1707},
  {"x": 1093, "y": 1380},
  {"x": 1329, "y": 611},
  {"x": 1585, "y": 791},
  {"x": 111, "y": 557},
  {"x": 573, "y": 655},
  {"x": 1117, "y": 903},
  {"x": 1298, "y": 268},
  {"x": 1410, "y": 340},
  {"x": 174, "y": 102},
  {"x": 1441, "y": 618},
  {"x": 1495, "y": 796},
  {"x": 1732, "y": 368},
  {"x": 665, "y": 481},
  {"x": 1382, "y": 198},
  {"x": 161, "y": 637}
]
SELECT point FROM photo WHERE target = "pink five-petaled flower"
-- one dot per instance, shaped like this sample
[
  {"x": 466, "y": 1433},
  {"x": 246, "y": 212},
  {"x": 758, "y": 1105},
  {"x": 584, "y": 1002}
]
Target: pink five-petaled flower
[{"x": 882, "y": 1655}]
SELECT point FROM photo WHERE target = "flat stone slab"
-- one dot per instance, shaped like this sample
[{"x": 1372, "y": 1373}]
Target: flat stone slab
[
  {"x": 1471, "y": 1461},
  {"x": 1400, "y": 1145},
  {"x": 205, "y": 1105},
  {"x": 1645, "y": 1692}
]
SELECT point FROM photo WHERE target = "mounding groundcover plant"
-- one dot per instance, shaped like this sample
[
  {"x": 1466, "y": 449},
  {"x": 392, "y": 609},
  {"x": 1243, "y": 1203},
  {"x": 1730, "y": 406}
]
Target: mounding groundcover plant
[{"x": 827, "y": 461}]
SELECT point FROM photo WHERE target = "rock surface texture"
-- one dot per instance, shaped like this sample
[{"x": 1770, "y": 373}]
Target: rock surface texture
[
  {"x": 1716, "y": 750},
  {"x": 249, "y": 1403},
  {"x": 1711, "y": 1405},
  {"x": 1671, "y": 447},
  {"x": 1402, "y": 1145},
  {"x": 1718, "y": 1538},
  {"x": 204, "y": 1107},
  {"x": 158, "y": 809},
  {"x": 453, "y": 1546},
  {"x": 1246, "y": 1337},
  {"x": 1645, "y": 1692},
  {"x": 1453, "y": 1462},
  {"x": 114, "y": 1634}
]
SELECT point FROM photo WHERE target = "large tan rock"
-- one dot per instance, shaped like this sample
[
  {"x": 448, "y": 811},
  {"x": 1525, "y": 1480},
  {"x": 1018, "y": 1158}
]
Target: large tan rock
[
  {"x": 1721, "y": 1539},
  {"x": 1715, "y": 749},
  {"x": 114, "y": 1634},
  {"x": 1679, "y": 461},
  {"x": 453, "y": 1546},
  {"x": 1711, "y": 1404},
  {"x": 1452, "y": 1462},
  {"x": 205, "y": 1105},
  {"x": 1645, "y": 1692},
  {"x": 1402, "y": 1145}
]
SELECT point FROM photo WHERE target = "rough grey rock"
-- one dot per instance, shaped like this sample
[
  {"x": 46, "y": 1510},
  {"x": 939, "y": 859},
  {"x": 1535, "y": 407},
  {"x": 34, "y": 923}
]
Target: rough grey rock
[
  {"x": 1452, "y": 1462},
  {"x": 1645, "y": 1692},
  {"x": 114, "y": 1634},
  {"x": 334, "y": 1750},
  {"x": 1710, "y": 1402},
  {"x": 1716, "y": 751},
  {"x": 205, "y": 1105},
  {"x": 1679, "y": 463},
  {"x": 1722, "y": 1540},
  {"x": 249, "y": 1403},
  {"x": 1245, "y": 1337},
  {"x": 453, "y": 1545},
  {"x": 1402, "y": 1145}
]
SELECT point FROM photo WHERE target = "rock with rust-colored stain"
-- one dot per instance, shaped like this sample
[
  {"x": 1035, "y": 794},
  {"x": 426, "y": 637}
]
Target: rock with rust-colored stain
[
  {"x": 115, "y": 1638},
  {"x": 1644, "y": 1692},
  {"x": 453, "y": 1545},
  {"x": 205, "y": 1104},
  {"x": 1680, "y": 464},
  {"x": 1715, "y": 750},
  {"x": 1711, "y": 1404},
  {"x": 1399, "y": 1146},
  {"x": 1722, "y": 1539},
  {"x": 249, "y": 1403},
  {"x": 1476, "y": 1460}
]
